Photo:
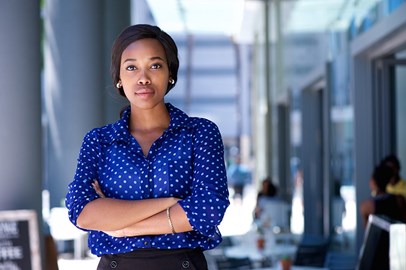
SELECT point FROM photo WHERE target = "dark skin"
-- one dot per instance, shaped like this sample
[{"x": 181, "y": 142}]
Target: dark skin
[
  {"x": 144, "y": 76},
  {"x": 368, "y": 207}
]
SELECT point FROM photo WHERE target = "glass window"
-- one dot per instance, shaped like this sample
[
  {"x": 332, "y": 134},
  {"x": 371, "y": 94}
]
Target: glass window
[{"x": 400, "y": 108}]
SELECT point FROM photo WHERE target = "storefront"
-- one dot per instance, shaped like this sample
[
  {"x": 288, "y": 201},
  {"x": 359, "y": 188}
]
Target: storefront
[{"x": 379, "y": 87}]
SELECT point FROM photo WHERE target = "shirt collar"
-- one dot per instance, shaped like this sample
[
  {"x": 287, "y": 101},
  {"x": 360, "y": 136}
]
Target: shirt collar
[{"x": 120, "y": 130}]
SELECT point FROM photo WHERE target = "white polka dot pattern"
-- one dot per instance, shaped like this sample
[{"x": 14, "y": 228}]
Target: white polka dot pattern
[{"x": 187, "y": 162}]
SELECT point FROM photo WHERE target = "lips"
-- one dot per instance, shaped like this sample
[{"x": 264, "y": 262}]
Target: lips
[{"x": 144, "y": 90}]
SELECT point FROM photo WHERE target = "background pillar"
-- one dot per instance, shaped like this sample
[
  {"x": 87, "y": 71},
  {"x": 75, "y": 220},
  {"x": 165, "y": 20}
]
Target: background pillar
[
  {"x": 73, "y": 86},
  {"x": 20, "y": 106}
]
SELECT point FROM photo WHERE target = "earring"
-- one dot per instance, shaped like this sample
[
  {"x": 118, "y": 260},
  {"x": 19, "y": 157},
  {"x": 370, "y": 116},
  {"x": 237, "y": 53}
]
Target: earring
[
  {"x": 171, "y": 81},
  {"x": 118, "y": 85}
]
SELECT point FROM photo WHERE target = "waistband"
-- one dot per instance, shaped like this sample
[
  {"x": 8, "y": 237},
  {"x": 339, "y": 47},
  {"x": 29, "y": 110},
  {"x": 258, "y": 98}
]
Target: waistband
[{"x": 153, "y": 252}]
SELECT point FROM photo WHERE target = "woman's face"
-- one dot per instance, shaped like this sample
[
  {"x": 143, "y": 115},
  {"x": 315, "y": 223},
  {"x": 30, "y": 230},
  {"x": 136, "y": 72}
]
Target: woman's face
[{"x": 144, "y": 73}]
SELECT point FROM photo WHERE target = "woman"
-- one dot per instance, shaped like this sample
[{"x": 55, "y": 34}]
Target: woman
[
  {"x": 396, "y": 185},
  {"x": 267, "y": 193},
  {"x": 150, "y": 188},
  {"x": 383, "y": 203}
]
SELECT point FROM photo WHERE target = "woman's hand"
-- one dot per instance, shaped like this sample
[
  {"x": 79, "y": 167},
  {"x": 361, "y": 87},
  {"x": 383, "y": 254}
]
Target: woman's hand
[
  {"x": 156, "y": 223},
  {"x": 97, "y": 188}
]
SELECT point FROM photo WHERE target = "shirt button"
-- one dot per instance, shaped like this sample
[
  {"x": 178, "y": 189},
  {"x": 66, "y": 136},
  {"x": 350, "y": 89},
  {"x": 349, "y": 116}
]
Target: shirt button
[
  {"x": 113, "y": 264},
  {"x": 185, "y": 264},
  {"x": 146, "y": 243}
]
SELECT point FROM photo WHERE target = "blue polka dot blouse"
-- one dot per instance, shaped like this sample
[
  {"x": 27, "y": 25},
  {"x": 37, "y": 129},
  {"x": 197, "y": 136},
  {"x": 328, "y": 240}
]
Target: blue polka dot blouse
[{"x": 186, "y": 162}]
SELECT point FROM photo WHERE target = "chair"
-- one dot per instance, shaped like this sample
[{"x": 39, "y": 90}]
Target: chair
[
  {"x": 340, "y": 261},
  {"x": 275, "y": 211},
  {"x": 226, "y": 263},
  {"x": 62, "y": 229},
  {"x": 311, "y": 251}
]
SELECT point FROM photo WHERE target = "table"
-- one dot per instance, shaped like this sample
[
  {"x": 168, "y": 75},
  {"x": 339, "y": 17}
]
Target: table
[{"x": 273, "y": 250}]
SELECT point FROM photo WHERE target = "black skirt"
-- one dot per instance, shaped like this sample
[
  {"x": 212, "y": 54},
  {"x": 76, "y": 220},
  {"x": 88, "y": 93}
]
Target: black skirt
[{"x": 155, "y": 259}]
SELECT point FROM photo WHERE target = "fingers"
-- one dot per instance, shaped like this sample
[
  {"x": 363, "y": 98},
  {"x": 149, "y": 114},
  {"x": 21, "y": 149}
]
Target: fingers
[{"x": 98, "y": 190}]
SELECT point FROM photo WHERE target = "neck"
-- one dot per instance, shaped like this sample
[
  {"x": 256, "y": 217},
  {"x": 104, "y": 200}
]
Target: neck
[{"x": 149, "y": 119}]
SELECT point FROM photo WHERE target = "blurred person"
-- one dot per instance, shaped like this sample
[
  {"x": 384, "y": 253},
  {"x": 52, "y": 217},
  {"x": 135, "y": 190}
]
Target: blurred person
[
  {"x": 238, "y": 176},
  {"x": 381, "y": 202},
  {"x": 338, "y": 206},
  {"x": 271, "y": 212},
  {"x": 397, "y": 185},
  {"x": 267, "y": 192},
  {"x": 151, "y": 188}
]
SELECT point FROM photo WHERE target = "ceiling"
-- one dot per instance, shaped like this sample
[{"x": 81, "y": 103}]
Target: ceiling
[
  {"x": 237, "y": 17},
  {"x": 321, "y": 15},
  {"x": 198, "y": 16}
]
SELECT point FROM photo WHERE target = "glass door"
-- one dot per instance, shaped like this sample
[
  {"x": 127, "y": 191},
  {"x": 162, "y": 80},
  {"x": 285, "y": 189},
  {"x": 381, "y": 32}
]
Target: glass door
[{"x": 390, "y": 106}]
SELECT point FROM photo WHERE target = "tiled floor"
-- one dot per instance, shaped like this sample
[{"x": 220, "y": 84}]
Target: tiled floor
[{"x": 237, "y": 221}]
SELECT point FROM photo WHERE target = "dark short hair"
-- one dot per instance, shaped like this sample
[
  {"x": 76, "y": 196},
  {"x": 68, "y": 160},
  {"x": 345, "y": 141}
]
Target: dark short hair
[
  {"x": 142, "y": 31},
  {"x": 272, "y": 189},
  {"x": 392, "y": 160},
  {"x": 382, "y": 175}
]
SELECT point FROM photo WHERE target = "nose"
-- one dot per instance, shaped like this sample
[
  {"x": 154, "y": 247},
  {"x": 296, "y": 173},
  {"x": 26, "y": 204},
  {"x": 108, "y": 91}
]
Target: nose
[{"x": 143, "y": 78}]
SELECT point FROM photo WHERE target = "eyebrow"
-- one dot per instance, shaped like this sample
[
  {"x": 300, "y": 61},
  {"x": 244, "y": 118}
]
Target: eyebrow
[{"x": 152, "y": 58}]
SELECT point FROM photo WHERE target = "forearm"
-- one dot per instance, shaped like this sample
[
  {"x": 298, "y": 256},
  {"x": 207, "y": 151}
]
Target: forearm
[
  {"x": 159, "y": 223},
  {"x": 107, "y": 214}
]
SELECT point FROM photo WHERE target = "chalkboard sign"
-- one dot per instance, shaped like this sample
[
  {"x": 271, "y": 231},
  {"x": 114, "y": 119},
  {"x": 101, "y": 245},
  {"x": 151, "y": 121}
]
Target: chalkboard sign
[{"x": 19, "y": 241}]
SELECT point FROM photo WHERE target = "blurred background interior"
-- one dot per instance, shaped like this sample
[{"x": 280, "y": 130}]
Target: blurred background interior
[{"x": 308, "y": 93}]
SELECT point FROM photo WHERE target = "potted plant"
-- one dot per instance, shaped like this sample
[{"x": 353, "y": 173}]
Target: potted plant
[
  {"x": 286, "y": 263},
  {"x": 260, "y": 239}
]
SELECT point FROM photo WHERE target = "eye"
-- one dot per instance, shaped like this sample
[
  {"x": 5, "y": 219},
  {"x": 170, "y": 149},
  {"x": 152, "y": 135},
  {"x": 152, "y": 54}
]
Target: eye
[
  {"x": 131, "y": 68},
  {"x": 156, "y": 66}
]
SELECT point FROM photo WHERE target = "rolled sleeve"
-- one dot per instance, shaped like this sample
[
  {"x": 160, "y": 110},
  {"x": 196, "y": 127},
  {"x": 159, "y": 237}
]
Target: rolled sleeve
[
  {"x": 206, "y": 207},
  {"x": 80, "y": 190}
]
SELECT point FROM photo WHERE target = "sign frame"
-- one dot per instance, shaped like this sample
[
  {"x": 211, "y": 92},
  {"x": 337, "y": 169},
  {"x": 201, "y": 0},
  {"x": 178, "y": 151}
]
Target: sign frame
[{"x": 22, "y": 216}]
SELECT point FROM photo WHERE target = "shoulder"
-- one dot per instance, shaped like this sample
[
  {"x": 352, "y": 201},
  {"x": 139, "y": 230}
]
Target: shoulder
[
  {"x": 202, "y": 123},
  {"x": 367, "y": 207},
  {"x": 99, "y": 132},
  {"x": 399, "y": 185},
  {"x": 104, "y": 134},
  {"x": 200, "y": 127},
  {"x": 180, "y": 118},
  {"x": 402, "y": 183},
  {"x": 206, "y": 132}
]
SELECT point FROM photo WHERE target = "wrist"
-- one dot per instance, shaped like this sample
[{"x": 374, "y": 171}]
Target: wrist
[{"x": 170, "y": 223}]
